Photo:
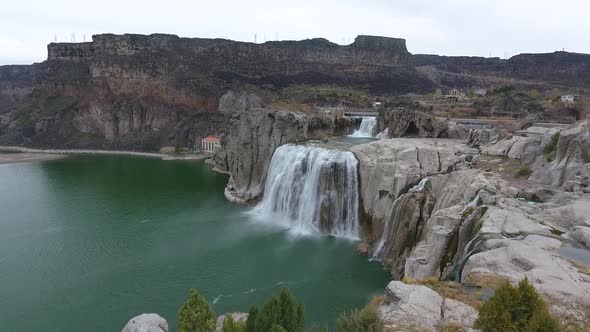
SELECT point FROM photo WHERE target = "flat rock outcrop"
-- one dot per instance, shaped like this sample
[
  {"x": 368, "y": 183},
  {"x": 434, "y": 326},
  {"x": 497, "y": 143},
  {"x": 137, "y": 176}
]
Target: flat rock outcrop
[
  {"x": 146, "y": 323},
  {"x": 416, "y": 307}
]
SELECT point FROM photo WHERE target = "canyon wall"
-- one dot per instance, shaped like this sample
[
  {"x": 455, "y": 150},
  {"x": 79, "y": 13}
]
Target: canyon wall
[
  {"x": 144, "y": 92},
  {"x": 558, "y": 68}
]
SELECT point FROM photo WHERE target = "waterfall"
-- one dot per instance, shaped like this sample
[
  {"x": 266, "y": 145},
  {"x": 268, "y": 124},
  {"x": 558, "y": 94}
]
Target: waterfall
[
  {"x": 312, "y": 189},
  {"x": 367, "y": 128},
  {"x": 384, "y": 134},
  {"x": 397, "y": 206}
]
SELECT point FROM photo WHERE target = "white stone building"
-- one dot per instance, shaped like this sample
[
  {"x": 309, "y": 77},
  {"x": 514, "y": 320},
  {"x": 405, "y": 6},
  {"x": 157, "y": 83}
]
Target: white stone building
[
  {"x": 210, "y": 144},
  {"x": 568, "y": 98}
]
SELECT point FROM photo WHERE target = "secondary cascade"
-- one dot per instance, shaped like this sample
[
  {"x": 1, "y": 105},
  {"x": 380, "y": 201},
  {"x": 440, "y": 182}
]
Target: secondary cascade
[
  {"x": 312, "y": 189},
  {"x": 367, "y": 128}
]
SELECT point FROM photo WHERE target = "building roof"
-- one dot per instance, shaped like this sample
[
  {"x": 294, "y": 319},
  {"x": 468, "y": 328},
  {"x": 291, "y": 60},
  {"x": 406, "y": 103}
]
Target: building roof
[{"x": 211, "y": 139}]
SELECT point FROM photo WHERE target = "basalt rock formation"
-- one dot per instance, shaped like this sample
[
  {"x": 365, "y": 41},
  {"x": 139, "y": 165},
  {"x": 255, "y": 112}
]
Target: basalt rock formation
[
  {"x": 559, "y": 68},
  {"x": 408, "y": 122},
  {"x": 143, "y": 92},
  {"x": 254, "y": 136},
  {"x": 440, "y": 209}
]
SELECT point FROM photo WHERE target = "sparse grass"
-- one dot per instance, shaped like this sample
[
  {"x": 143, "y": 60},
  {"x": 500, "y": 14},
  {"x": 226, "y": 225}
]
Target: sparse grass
[
  {"x": 551, "y": 148},
  {"x": 523, "y": 172},
  {"x": 448, "y": 289},
  {"x": 377, "y": 300},
  {"x": 56, "y": 104},
  {"x": 485, "y": 280},
  {"x": 453, "y": 327},
  {"x": 577, "y": 321}
]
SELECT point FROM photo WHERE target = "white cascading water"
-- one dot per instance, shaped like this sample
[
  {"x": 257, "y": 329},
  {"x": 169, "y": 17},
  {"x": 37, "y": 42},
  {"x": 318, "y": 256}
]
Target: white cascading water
[
  {"x": 367, "y": 128},
  {"x": 313, "y": 190}
]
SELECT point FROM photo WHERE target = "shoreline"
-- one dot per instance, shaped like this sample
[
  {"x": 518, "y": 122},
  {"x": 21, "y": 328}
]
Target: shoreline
[{"x": 101, "y": 152}]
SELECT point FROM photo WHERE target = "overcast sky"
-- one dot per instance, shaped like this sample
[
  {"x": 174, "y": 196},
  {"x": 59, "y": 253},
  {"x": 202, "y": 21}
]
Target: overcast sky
[{"x": 450, "y": 27}]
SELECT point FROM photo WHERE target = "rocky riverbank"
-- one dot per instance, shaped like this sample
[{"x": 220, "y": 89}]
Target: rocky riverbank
[{"x": 460, "y": 210}]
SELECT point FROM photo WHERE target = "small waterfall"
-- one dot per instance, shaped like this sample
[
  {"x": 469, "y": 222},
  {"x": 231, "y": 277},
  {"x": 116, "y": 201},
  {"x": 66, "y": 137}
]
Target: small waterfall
[
  {"x": 312, "y": 189},
  {"x": 384, "y": 134},
  {"x": 397, "y": 206},
  {"x": 367, "y": 128}
]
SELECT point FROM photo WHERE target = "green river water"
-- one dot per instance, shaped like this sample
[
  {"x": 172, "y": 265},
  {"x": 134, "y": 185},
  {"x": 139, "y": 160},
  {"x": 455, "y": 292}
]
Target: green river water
[{"x": 88, "y": 242}]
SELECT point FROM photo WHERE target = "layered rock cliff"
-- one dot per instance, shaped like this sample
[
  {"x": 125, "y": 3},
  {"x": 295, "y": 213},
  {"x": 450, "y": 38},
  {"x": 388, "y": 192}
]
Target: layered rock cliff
[
  {"x": 144, "y": 92},
  {"x": 558, "y": 68}
]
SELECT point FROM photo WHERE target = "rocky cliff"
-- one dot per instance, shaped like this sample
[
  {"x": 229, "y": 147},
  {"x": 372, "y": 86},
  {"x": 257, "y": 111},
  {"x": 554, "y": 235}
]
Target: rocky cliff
[
  {"x": 143, "y": 92},
  {"x": 438, "y": 209},
  {"x": 558, "y": 68},
  {"x": 253, "y": 138}
]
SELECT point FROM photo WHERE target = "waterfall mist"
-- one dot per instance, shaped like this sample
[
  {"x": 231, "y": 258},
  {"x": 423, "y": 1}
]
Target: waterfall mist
[{"x": 312, "y": 190}]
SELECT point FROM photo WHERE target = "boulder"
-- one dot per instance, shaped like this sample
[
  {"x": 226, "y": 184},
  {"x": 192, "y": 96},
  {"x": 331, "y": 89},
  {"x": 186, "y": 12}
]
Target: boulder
[
  {"x": 570, "y": 164},
  {"x": 416, "y": 307},
  {"x": 582, "y": 234},
  {"x": 146, "y": 323},
  {"x": 236, "y": 316}
]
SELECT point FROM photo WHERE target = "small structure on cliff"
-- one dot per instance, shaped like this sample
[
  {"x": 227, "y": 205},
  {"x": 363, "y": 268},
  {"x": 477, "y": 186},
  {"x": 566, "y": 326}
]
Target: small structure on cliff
[{"x": 210, "y": 144}]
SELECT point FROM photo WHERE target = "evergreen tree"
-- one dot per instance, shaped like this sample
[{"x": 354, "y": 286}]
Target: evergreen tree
[
  {"x": 514, "y": 309},
  {"x": 281, "y": 311},
  {"x": 250, "y": 323},
  {"x": 196, "y": 315},
  {"x": 529, "y": 303},
  {"x": 229, "y": 325}
]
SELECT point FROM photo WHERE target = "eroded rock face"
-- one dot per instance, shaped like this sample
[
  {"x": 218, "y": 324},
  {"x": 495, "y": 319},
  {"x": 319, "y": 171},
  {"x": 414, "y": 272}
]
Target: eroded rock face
[
  {"x": 146, "y": 323},
  {"x": 239, "y": 101},
  {"x": 252, "y": 140},
  {"x": 404, "y": 122},
  {"x": 572, "y": 155},
  {"x": 416, "y": 307},
  {"x": 388, "y": 168}
]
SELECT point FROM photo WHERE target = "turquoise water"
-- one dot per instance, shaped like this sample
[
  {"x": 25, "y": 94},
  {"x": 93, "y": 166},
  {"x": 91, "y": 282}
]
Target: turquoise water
[{"x": 88, "y": 242}]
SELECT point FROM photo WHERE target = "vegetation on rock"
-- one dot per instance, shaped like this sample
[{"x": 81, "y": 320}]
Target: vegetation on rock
[
  {"x": 523, "y": 172},
  {"x": 519, "y": 308},
  {"x": 280, "y": 311},
  {"x": 551, "y": 148},
  {"x": 229, "y": 325},
  {"x": 364, "y": 320}
]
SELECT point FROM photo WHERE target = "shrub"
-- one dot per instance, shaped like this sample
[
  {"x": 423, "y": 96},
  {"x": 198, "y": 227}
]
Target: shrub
[
  {"x": 280, "y": 312},
  {"x": 518, "y": 308},
  {"x": 523, "y": 171},
  {"x": 364, "y": 320},
  {"x": 552, "y": 145},
  {"x": 196, "y": 315}
]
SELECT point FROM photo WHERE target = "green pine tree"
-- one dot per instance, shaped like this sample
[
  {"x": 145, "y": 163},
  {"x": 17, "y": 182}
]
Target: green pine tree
[
  {"x": 229, "y": 325},
  {"x": 196, "y": 315},
  {"x": 252, "y": 315},
  {"x": 279, "y": 311},
  {"x": 512, "y": 309}
]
